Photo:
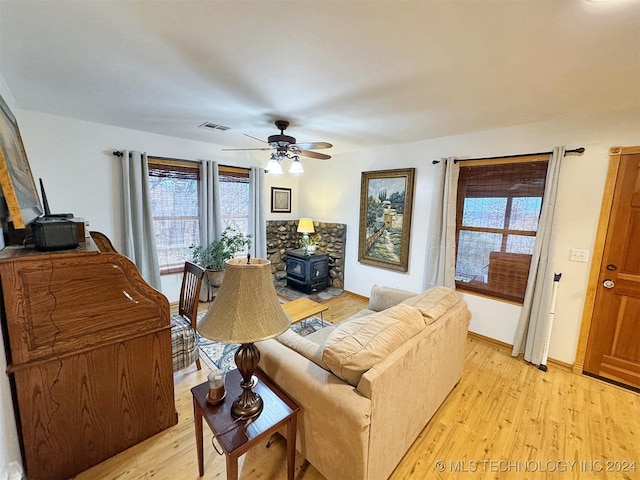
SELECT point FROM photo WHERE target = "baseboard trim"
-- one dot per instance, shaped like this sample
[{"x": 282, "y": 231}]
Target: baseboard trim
[
  {"x": 561, "y": 365},
  {"x": 357, "y": 295},
  {"x": 505, "y": 346},
  {"x": 491, "y": 341}
]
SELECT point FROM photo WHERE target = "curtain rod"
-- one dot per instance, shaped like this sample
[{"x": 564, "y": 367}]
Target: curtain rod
[
  {"x": 578, "y": 151},
  {"x": 119, "y": 153}
]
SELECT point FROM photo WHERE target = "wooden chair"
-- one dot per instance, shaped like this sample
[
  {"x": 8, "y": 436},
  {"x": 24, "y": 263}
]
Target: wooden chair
[{"x": 183, "y": 324}]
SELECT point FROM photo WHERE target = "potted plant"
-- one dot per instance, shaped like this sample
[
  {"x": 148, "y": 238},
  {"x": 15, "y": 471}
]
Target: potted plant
[
  {"x": 309, "y": 243},
  {"x": 213, "y": 256}
]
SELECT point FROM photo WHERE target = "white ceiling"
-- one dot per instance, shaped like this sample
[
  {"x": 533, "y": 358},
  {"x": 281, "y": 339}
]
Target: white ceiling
[{"x": 353, "y": 73}]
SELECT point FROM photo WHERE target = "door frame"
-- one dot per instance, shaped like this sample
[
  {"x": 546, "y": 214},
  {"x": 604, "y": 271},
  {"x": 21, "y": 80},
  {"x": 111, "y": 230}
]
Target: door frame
[{"x": 615, "y": 153}]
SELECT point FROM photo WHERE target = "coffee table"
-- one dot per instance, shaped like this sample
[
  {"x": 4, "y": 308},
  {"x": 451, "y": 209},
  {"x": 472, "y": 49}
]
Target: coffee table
[
  {"x": 303, "y": 308},
  {"x": 237, "y": 437}
]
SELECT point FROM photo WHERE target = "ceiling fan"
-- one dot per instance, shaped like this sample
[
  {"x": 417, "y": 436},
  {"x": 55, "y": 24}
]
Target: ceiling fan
[{"x": 286, "y": 144}]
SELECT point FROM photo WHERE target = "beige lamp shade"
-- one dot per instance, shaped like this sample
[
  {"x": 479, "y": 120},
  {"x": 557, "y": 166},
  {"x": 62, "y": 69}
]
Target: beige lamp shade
[
  {"x": 246, "y": 309},
  {"x": 305, "y": 225}
]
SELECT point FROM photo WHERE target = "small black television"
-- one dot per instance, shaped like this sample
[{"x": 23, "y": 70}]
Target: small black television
[{"x": 18, "y": 187}]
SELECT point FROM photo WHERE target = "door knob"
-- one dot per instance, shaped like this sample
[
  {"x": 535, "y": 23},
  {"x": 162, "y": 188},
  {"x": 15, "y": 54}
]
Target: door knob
[{"x": 608, "y": 283}]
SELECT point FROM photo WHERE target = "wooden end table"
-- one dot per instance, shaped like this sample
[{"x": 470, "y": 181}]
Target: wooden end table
[
  {"x": 238, "y": 437},
  {"x": 303, "y": 308}
]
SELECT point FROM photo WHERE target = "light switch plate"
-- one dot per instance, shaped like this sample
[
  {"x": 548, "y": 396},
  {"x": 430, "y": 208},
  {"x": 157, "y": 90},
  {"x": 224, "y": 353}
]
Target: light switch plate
[{"x": 578, "y": 255}]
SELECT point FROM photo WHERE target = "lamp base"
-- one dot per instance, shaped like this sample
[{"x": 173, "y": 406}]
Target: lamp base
[
  {"x": 247, "y": 407},
  {"x": 248, "y": 404}
]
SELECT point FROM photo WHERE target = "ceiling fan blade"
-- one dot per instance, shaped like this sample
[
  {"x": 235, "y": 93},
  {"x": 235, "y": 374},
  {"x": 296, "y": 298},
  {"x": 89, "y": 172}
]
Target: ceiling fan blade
[
  {"x": 319, "y": 156},
  {"x": 313, "y": 145},
  {"x": 232, "y": 149},
  {"x": 255, "y": 138}
]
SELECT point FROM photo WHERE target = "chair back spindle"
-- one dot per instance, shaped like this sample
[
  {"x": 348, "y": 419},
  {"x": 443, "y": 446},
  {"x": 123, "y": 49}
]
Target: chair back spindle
[
  {"x": 184, "y": 335},
  {"x": 190, "y": 291}
]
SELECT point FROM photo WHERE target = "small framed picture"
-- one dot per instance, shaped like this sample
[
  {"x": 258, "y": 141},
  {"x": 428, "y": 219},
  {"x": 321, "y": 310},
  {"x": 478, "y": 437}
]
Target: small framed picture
[{"x": 280, "y": 200}]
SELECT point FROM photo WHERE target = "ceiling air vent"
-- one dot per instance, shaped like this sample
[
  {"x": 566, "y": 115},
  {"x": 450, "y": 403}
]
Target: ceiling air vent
[{"x": 213, "y": 126}]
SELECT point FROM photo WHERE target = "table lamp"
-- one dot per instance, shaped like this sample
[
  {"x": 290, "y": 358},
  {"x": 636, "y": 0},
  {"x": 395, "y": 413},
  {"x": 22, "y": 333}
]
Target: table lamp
[
  {"x": 246, "y": 310},
  {"x": 305, "y": 226}
]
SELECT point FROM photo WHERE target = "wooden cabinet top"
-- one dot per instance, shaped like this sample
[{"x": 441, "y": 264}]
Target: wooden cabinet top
[
  {"x": 56, "y": 303},
  {"x": 12, "y": 253}
]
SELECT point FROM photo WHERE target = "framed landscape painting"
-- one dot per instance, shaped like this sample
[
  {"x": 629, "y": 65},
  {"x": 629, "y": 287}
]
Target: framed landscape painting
[
  {"x": 280, "y": 200},
  {"x": 386, "y": 200},
  {"x": 16, "y": 180}
]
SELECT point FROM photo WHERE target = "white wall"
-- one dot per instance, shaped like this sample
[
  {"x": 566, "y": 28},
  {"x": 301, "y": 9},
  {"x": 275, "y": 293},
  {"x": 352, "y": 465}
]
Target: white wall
[{"x": 330, "y": 191}]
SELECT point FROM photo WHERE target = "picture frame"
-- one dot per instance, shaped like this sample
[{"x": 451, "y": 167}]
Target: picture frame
[
  {"x": 386, "y": 205},
  {"x": 280, "y": 200},
  {"x": 16, "y": 181}
]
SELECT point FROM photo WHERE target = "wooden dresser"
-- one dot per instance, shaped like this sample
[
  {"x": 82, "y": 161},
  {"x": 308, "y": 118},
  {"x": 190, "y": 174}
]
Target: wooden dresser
[{"x": 88, "y": 347}]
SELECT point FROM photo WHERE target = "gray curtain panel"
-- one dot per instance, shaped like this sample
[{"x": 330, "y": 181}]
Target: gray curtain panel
[
  {"x": 139, "y": 238},
  {"x": 533, "y": 325},
  {"x": 257, "y": 215},
  {"x": 441, "y": 245},
  {"x": 210, "y": 214}
]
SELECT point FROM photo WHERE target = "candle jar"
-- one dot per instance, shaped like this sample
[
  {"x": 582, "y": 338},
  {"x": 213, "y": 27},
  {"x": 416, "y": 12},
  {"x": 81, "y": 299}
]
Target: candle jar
[{"x": 216, "y": 387}]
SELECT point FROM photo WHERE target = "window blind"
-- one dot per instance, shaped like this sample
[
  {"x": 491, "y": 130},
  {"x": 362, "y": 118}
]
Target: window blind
[
  {"x": 174, "y": 201},
  {"x": 498, "y": 208}
]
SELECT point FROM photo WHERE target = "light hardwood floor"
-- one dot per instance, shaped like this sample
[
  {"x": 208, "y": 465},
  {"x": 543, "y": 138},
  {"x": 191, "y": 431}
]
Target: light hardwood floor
[{"x": 505, "y": 417}]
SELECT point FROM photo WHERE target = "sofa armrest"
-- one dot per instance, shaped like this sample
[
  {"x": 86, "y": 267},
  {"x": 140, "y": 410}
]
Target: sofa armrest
[
  {"x": 385, "y": 297},
  {"x": 329, "y": 409},
  {"x": 302, "y": 345},
  {"x": 410, "y": 384},
  {"x": 311, "y": 385}
]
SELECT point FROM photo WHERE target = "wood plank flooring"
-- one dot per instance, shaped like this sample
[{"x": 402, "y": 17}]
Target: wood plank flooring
[{"x": 505, "y": 420}]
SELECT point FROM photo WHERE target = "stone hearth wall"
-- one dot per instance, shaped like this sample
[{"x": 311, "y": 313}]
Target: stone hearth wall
[{"x": 332, "y": 238}]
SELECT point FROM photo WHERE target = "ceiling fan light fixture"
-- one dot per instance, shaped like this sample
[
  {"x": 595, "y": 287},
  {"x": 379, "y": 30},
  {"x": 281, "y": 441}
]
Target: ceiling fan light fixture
[
  {"x": 281, "y": 140},
  {"x": 273, "y": 165},
  {"x": 296, "y": 166},
  {"x": 285, "y": 146}
]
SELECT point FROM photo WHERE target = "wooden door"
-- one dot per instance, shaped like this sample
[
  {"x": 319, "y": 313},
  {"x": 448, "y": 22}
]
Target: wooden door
[{"x": 613, "y": 348}]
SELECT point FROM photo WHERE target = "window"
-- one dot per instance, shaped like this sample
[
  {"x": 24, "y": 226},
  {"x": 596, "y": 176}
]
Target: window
[
  {"x": 496, "y": 223},
  {"x": 174, "y": 203},
  {"x": 234, "y": 198},
  {"x": 175, "y": 198}
]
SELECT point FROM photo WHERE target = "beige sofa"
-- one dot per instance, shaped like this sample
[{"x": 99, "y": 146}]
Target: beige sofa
[{"x": 368, "y": 385}]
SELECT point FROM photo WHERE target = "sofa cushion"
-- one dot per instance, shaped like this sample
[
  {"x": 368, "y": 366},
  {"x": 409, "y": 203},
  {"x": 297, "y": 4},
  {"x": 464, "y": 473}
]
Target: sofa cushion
[
  {"x": 305, "y": 347},
  {"x": 356, "y": 346},
  {"x": 385, "y": 297},
  {"x": 433, "y": 303},
  {"x": 320, "y": 336}
]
